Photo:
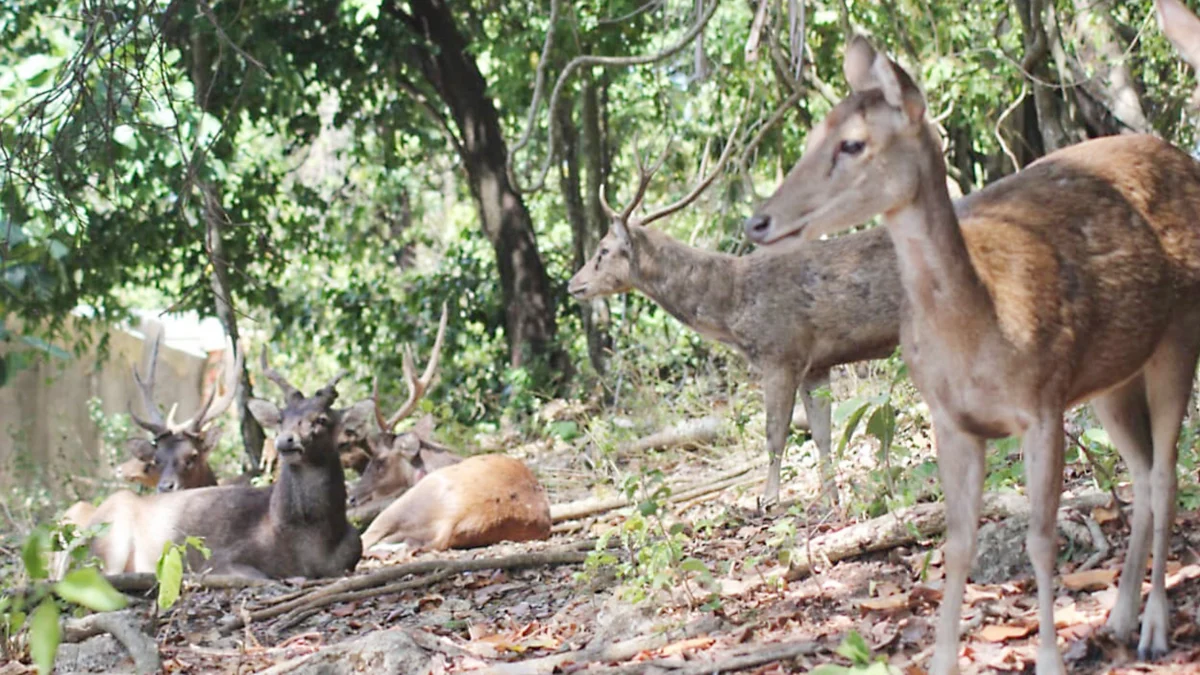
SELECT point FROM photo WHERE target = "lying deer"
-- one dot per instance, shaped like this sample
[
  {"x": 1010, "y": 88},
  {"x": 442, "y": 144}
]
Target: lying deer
[
  {"x": 1077, "y": 278},
  {"x": 294, "y": 527},
  {"x": 794, "y": 315},
  {"x": 482, "y": 500},
  {"x": 175, "y": 457},
  {"x": 399, "y": 460}
]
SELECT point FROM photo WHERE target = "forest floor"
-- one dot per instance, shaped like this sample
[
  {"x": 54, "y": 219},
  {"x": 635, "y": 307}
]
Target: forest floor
[{"x": 540, "y": 608}]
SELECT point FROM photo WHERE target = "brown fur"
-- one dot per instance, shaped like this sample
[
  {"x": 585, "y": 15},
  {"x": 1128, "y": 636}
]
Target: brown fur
[
  {"x": 294, "y": 527},
  {"x": 1078, "y": 277},
  {"x": 480, "y": 501},
  {"x": 794, "y": 314}
]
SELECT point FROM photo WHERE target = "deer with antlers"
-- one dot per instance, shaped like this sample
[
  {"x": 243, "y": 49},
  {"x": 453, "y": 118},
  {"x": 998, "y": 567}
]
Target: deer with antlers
[
  {"x": 175, "y": 457},
  {"x": 399, "y": 460},
  {"x": 794, "y": 315},
  {"x": 295, "y": 527},
  {"x": 1077, "y": 278}
]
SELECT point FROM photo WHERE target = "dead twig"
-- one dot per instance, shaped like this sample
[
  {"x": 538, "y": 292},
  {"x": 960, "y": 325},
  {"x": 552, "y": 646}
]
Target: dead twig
[
  {"x": 306, "y": 610},
  {"x": 125, "y": 627},
  {"x": 762, "y": 655},
  {"x": 144, "y": 581}
]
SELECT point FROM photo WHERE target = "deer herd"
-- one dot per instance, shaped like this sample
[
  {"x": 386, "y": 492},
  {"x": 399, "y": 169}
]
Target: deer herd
[{"x": 1075, "y": 279}]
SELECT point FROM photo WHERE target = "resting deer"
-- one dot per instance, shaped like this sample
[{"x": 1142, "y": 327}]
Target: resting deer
[
  {"x": 1077, "y": 278},
  {"x": 793, "y": 314},
  {"x": 175, "y": 457},
  {"x": 482, "y": 500},
  {"x": 399, "y": 460},
  {"x": 295, "y": 527}
]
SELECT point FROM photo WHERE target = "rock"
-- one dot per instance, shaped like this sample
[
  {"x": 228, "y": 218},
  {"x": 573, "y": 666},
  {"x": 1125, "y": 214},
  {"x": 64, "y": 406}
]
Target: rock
[
  {"x": 1000, "y": 554},
  {"x": 381, "y": 651},
  {"x": 99, "y": 654}
]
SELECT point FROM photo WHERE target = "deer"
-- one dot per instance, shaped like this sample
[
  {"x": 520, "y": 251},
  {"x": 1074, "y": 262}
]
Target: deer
[
  {"x": 175, "y": 457},
  {"x": 400, "y": 460},
  {"x": 794, "y": 315},
  {"x": 295, "y": 527},
  {"x": 1077, "y": 278},
  {"x": 480, "y": 501}
]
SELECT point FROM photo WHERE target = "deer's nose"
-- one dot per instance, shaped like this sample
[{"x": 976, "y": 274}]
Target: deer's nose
[
  {"x": 757, "y": 225},
  {"x": 287, "y": 442},
  {"x": 167, "y": 485}
]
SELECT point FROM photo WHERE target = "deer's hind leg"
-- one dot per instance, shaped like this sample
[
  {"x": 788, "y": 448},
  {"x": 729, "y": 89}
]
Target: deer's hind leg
[
  {"x": 779, "y": 394},
  {"x": 1168, "y": 376},
  {"x": 818, "y": 409}
]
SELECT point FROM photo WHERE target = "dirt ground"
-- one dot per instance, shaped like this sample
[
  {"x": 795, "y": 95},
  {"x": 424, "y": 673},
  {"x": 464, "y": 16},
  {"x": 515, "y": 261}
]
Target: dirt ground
[{"x": 522, "y": 615}]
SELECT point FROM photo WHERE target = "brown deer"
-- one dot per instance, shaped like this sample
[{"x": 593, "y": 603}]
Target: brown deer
[
  {"x": 1077, "y": 278},
  {"x": 482, "y": 500},
  {"x": 175, "y": 457},
  {"x": 793, "y": 314},
  {"x": 294, "y": 527},
  {"x": 399, "y": 460}
]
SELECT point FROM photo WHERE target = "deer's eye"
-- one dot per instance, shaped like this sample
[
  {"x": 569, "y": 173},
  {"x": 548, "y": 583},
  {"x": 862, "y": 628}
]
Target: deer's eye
[
  {"x": 603, "y": 252},
  {"x": 851, "y": 147},
  {"x": 322, "y": 421}
]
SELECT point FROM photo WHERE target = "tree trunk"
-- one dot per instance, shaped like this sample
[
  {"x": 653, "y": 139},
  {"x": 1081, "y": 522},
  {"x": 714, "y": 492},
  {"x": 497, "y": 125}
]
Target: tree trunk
[
  {"x": 1111, "y": 100},
  {"x": 214, "y": 218},
  {"x": 447, "y": 65},
  {"x": 1036, "y": 65},
  {"x": 595, "y": 154}
]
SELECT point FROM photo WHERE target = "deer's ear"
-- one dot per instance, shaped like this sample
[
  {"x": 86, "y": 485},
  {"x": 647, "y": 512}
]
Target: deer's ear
[
  {"x": 356, "y": 420},
  {"x": 423, "y": 429},
  {"x": 211, "y": 437},
  {"x": 265, "y": 412},
  {"x": 899, "y": 89},
  {"x": 140, "y": 448},
  {"x": 1182, "y": 29},
  {"x": 857, "y": 64}
]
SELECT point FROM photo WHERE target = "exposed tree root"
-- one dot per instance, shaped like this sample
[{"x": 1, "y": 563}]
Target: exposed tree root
[
  {"x": 125, "y": 626},
  {"x": 144, "y": 581},
  {"x": 762, "y": 655},
  {"x": 688, "y": 432},
  {"x": 906, "y": 526}
]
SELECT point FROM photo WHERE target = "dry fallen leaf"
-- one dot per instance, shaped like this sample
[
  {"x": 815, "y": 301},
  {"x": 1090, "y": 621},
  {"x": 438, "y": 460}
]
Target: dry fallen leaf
[
  {"x": 678, "y": 648},
  {"x": 1104, "y": 514},
  {"x": 890, "y": 602},
  {"x": 1003, "y": 633},
  {"x": 1185, "y": 573},
  {"x": 1091, "y": 580}
]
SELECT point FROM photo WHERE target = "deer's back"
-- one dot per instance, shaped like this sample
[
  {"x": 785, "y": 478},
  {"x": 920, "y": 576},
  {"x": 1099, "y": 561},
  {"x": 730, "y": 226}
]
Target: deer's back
[
  {"x": 822, "y": 303},
  {"x": 1086, "y": 252}
]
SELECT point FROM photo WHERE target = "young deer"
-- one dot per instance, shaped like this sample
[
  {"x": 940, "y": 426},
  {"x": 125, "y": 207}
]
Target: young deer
[
  {"x": 482, "y": 500},
  {"x": 175, "y": 457},
  {"x": 294, "y": 527},
  {"x": 793, "y": 314},
  {"x": 399, "y": 460},
  {"x": 1077, "y": 278}
]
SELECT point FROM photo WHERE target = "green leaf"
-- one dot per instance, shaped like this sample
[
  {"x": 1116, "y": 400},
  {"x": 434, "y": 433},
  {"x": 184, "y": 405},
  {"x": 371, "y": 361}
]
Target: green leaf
[
  {"x": 87, "y": 587},
  {"x": 851, "y": 425},
  {"x": 33, "y": 554},
  {"x": 693, "y": 565},
  {"x": 1098, "y": 436},
  {"x": 44, "y": 635},
  {"x": 855, "y": 648},
  {"x": 882, "y": 425},
  {"x": 169, "y": 573},
  {"x": 197, "y": 543},
  {"x": 829, "y": 669},
  {"x": 125, "y": 135},
  {"x": 565, "y": 429}
]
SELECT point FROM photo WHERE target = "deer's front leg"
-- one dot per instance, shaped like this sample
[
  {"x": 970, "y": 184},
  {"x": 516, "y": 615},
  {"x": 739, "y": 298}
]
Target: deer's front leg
[
  {"x": 960, "y": 465},
  {"x": 1043, "y": 449},
  {"x": 779, "y": 392}
]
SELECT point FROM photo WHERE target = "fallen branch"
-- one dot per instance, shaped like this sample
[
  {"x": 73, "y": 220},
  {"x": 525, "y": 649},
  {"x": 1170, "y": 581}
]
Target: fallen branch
[
  {"x": 686, "y": 433},
  {"x": 761, "y": 656},
  {"x": 592, "y": 506},
  {"x": 308, "y": 609},
  {"x": 906, "y": 526},
  {"x": 122, "y": 625},
  {"x": 321, "y": 596},
  {"x": 620, "y": 651}
]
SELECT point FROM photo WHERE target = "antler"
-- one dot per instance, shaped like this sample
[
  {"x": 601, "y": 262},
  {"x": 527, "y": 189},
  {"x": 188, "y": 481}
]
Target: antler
[
  {"x": 644, "y": 176},
  {"x": 210, "y": 410},
  {"x": 705, "y": 182},
  {"x": 416, "y": 386},
  {"x": 156, "y": 424},
  {"x": 289, "y": 392}
]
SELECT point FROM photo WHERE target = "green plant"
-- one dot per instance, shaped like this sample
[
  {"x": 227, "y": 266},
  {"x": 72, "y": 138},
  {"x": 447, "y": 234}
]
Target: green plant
[
  {"x": 654, "y": 557},
  {"x": 80, "y": 585},
  {"x": 855, "y": 648},
  {"x": 169, "y": 569}
]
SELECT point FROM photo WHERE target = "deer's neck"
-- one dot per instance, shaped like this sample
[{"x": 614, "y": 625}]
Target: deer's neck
[
  {"x": 307, "y": 495},
  {"x": 697, "y": 287},
  {"x": 935, "y": 268}
]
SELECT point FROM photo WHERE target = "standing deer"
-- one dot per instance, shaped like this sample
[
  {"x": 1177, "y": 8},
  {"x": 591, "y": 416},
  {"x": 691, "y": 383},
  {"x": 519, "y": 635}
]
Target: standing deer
[
  {"x": 399, "y": 460},
  {"x": 1077, "y": 278},
  {"x": 175, "y": 457},
  {"x": 295, "y": 527},
  {"x": 793, "y": 314}
]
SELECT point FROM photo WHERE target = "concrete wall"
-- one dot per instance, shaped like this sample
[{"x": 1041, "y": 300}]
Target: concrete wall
[{"x": 44, "y": 419}]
